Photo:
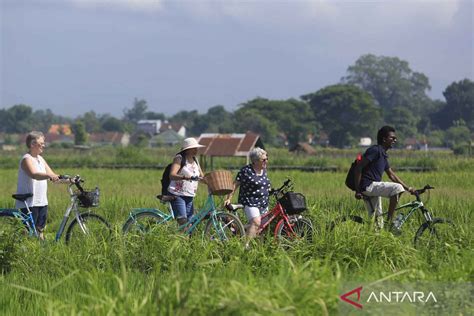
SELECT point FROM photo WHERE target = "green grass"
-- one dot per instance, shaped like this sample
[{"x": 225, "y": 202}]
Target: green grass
[{"x": 172, "y": 274}]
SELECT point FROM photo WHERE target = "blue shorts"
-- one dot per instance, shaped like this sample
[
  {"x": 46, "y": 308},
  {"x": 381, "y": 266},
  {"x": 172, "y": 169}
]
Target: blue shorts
[
  {"x": 39, "y": 213},
  {"x": 182, "y": 206}
]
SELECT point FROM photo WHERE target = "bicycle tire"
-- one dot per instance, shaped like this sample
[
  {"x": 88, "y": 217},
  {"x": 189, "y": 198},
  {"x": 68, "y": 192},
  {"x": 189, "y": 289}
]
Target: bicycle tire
[
  {"x": 302, "y": 227},
  {"x": 98, "y": 228},
  {"x": 11, "y": 225},
  {"x": 142, "y": 223},
  {"x": 435, "y": 233},
  {"x": 231, "y": 224}
]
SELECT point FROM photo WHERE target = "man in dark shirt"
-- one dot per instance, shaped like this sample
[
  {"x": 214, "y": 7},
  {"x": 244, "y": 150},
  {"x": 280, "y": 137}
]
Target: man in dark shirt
[{"x": 368, "y": 176}]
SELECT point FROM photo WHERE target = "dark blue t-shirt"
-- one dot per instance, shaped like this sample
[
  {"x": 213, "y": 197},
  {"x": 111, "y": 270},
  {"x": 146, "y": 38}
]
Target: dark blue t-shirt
[
  {"x": 374, "y": 170},
  {"x": 254, "y": 189}
]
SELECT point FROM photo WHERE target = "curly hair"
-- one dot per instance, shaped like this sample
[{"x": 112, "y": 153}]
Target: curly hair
[{"x": 383, "y": 133}]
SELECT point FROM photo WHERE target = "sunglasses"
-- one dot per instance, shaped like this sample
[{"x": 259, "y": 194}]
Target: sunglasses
[{"x": 266, "y": 159}]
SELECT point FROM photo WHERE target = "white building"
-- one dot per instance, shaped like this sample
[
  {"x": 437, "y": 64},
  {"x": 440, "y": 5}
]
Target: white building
[{"x": 151, "y": 127}]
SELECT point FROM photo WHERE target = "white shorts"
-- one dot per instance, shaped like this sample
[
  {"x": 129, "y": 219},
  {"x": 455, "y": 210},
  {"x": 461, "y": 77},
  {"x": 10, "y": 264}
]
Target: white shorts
[
  {"x": 376, "y": 191},
  {"x": 251, "y": 212}
]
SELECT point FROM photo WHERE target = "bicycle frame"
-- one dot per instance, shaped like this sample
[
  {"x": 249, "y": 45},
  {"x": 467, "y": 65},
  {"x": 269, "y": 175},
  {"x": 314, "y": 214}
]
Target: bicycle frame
[
  {"x": 166, "y": 217},
  {"x": 26, "y": 219},
  {"x": 276, "y": 212},
  {"x": 72, "y": 207},
  {"x": 208, "y": 208},
  {"x": 414, "y": 205}
]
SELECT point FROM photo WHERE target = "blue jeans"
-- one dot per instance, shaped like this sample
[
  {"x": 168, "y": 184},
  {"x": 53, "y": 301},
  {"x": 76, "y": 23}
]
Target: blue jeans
[
  {"x": 183, "y": 206},
  {"x": 39, "y": 213}
]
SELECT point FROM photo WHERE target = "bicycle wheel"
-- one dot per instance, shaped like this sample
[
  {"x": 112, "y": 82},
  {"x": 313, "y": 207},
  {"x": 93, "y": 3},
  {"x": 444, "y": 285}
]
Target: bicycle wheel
[
  {"x": 227, "y": 226},
  {"x": 437, "y": 233},
  {"x": 143, "y": 223},
  {"x": 301, "y": 230},
  {"x": 95, "y": 228},
  {"x": 12, "y": 226}
]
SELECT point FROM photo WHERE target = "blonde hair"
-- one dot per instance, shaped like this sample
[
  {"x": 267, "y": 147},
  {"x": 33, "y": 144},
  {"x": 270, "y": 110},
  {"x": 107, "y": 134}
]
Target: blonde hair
[{"x": 33, "y": 137}]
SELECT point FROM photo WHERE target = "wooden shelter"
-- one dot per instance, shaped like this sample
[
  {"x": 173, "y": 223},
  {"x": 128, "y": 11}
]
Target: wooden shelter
[
  {"x": 303, "y": 148},
  {"x": 228, "y": 145}
]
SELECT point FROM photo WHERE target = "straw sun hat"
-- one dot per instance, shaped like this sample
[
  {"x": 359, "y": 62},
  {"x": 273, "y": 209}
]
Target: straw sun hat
[{"x": 189, "y": 143}]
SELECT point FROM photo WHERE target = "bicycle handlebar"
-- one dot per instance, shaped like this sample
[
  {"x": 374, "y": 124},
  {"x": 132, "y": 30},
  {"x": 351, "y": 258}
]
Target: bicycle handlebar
[
  {"x": 76, "y": 180},
  {"x": 286, "y": 184},
  {"x": 419, "y": 192},
  {"x": 425, "y": 188}
]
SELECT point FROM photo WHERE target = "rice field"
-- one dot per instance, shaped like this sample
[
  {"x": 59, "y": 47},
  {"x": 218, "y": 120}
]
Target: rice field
[{"x": 171, "y": 274}]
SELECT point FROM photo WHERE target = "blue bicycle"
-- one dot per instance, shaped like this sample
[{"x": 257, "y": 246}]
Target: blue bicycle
[
  {"x": 85, "y": 224},
  {"x": 220, "y": 225}
]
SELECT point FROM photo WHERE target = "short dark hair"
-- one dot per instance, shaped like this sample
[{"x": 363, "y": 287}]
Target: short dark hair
[{"x": 383, "y": 133}]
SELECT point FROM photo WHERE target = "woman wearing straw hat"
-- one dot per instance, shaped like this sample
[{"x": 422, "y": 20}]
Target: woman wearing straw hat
[{"x": 184, "y": 177}]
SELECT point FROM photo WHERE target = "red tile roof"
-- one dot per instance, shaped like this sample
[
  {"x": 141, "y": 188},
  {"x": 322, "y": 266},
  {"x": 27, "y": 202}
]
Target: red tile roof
[{"x": 227, "y": 144}]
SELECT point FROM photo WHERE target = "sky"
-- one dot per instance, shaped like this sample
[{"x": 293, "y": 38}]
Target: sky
[{"x": 74, "y": 56}]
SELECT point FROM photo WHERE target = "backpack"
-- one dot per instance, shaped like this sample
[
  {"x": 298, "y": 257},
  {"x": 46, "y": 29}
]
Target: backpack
[
  {"x": 165, "y": 178},
  {"x": 350, "y": 178}
]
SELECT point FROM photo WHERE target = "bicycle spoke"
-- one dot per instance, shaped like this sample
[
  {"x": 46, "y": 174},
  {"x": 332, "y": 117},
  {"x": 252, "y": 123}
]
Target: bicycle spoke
[{"x": 436, "y": 234}]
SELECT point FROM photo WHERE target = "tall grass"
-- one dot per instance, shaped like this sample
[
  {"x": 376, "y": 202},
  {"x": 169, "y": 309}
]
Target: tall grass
[{"x": 172, "y": 274}]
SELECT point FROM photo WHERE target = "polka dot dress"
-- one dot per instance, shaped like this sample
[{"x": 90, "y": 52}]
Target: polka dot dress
[{"x": 254, "y": 189}]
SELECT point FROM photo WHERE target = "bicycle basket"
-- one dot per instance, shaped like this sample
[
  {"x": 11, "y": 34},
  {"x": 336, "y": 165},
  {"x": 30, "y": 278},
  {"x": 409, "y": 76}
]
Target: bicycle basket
[
  {"x": 89, "y": 198},
  {"x": 293, "y": 203}
]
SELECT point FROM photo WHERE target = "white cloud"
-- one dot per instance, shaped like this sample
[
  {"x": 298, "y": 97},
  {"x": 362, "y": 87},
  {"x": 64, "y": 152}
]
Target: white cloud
[{"x": 136, "y": 5}]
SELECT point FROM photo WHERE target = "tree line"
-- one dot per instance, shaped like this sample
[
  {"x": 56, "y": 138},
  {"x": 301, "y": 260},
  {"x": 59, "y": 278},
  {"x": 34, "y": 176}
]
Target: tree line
[{"x": 376, "y": 90}]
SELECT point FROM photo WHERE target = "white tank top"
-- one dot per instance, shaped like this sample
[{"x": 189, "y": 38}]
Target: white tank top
[
  {"x": 185, "y": 187},
  {"x": 26, "y": 184}
]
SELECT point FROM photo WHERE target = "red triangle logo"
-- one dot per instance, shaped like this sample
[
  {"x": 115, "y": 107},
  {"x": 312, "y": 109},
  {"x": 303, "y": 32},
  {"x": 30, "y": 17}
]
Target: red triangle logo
[{"x": 345, "y": 298}]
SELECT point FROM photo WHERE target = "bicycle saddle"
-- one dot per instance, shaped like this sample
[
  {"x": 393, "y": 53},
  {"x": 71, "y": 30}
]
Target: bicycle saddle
[
  {"x": 22, "y": 197},
  {"x": 165, "y": 198},
  {"x": 234, "y": 207}
]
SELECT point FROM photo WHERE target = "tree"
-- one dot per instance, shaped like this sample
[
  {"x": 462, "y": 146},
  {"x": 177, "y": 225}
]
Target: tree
[
  {"x": 459, "y": 105},
  {"x": 292, "y": 117},
  {"x": 111, "y": 124},
  {"x": 458, "y": 134},
  {"x": 392, "y": 84},
  {"x": 91, "y": 121},
  {"x": 216, "y": 120},
  {"x": 154, "y": 116},
  {"x": 80, "y": 135},
  {"x": 252, "y": 120},
  {"x": 345, "y": 113},
  {"x": 186, "y": 118},
  {"x": 137, "y": 112},
  {"x": 17, "y": 119}
]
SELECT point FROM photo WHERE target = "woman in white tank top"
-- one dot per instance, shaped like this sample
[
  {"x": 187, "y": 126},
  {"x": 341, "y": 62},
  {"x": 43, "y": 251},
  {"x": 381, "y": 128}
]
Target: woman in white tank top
[
  {"x": 184, "y": 181},
  {"x": 33, "y": 175}
]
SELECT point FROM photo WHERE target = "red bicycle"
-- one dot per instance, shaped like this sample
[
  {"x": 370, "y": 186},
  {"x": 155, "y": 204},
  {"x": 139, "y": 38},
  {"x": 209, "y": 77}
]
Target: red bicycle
[{"x": 290, "y": 225}]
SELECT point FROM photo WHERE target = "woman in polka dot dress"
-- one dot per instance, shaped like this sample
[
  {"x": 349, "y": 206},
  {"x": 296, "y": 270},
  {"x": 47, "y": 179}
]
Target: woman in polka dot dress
[{"x": 254, "y": 189}]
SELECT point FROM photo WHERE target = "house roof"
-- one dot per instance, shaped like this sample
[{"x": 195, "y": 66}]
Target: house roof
[
  {"x": 167, "y": 137},
  {"x": 228, "y": 144},
  {"x": 170, "y": 126},
  {"x": 55, "y": 138},
  {"x": 60, "y": 129},
  {"x": 106, "y": 137}
]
